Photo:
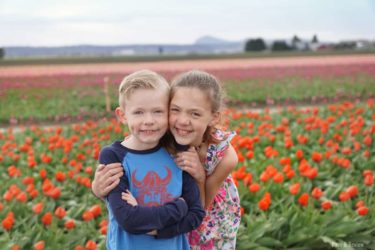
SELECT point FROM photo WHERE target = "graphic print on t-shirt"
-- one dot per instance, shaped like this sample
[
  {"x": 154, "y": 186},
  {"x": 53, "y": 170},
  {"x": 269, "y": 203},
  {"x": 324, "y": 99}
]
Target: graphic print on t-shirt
[{"x": 152, "y": 189}]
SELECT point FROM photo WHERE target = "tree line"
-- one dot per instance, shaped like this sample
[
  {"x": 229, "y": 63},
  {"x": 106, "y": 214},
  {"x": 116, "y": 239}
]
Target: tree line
[{"x": 258, "y": 44}]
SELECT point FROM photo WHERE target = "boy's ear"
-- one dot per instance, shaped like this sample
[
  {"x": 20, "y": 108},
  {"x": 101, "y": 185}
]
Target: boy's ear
[
  {"x": 120, "y": 114},
  {"x": 215, "y": 118}
]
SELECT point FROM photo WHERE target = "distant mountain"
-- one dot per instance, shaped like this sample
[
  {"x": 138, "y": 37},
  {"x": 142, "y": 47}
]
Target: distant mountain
[
  {"x": 212, "y": 40},
  {"x": 205, "y": 45}
]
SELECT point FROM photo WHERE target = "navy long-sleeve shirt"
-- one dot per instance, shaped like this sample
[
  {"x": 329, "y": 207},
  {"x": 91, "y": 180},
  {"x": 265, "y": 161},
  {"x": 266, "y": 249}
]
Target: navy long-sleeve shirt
[{"x": 157, "y": 183}]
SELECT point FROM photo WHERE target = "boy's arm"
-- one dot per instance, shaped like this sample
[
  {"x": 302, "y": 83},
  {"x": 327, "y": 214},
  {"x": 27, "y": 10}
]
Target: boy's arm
[
  {"x": 195, "y": 213},
  {"x": 140, "y": 219}
]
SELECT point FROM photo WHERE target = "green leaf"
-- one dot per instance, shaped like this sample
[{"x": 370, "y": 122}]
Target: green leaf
[{"x": 269, "y": 242}]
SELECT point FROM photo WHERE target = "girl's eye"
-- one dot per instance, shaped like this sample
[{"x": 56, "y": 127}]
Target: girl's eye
[{"x": 195, "y": 114}]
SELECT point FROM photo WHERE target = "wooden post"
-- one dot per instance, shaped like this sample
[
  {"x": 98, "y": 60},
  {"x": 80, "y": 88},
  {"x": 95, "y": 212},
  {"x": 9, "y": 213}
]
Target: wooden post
[{"x": 106, "y": 94}]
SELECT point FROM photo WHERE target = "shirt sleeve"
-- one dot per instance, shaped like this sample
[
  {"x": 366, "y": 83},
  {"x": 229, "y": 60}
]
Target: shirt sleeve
[
  {"x": 140, "y": 219},
  {"x": 194, "y": 215}
]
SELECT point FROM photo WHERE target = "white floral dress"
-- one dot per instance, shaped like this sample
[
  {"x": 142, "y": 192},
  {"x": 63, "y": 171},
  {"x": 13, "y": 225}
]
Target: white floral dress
[{"x": 219, "y": 228}]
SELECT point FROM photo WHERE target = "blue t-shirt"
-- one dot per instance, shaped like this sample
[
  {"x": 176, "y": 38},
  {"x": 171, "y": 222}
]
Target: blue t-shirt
[{"x": 157, "y": 183}]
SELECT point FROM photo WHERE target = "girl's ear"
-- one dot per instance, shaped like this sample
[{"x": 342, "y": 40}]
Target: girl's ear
[
  {"x": 215, "y": 119},
  {"x": 120, "y": 114}
]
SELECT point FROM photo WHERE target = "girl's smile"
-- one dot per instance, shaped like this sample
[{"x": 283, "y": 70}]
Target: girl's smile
[{"x": 189, "y": 115}]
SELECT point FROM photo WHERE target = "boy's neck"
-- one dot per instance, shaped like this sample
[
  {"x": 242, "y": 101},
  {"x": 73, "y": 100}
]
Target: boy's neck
[{"x": 130, "y": 143}]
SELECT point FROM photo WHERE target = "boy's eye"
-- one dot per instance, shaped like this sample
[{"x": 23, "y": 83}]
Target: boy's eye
[
  {"x": 137, "y": 112},
  {"x": 174, "y": 110},
  {"x": 159, "y": 111}
]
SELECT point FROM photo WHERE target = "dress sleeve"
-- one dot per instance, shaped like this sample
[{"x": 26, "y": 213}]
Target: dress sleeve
[{"x": 215, "y": 152}]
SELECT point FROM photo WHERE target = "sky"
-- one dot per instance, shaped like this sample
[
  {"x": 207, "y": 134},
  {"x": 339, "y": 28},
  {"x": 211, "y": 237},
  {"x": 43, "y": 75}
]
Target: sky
[{"x": 122, "y": 22}]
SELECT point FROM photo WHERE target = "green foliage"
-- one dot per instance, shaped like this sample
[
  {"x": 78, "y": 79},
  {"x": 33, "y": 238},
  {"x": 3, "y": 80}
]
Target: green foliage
[
  {"x": 2, "y": 53},
  {"x": 255, "y": 45},
  {"x": 287, "y": 224},
  {"x": 280, "y": 46}
]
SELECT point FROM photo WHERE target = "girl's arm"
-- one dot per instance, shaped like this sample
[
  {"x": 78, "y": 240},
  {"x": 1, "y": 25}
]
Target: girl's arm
[
  {"x": 195, "y": 214},
  {"x": 106, "y": 178},
  {"x": 189, "y": 162},
  {"x": 141, "y": 219},
  {"x": 221, "y": 172}
]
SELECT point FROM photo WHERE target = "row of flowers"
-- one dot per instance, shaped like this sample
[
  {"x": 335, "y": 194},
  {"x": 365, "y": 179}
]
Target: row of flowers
[{"x": 303, "y": 175}]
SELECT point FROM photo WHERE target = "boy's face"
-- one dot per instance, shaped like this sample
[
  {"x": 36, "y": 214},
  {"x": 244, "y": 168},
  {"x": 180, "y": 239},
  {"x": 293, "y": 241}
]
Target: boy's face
[
  {"x": 146, "y": 114},
  {"x": 189, "y": 115}
]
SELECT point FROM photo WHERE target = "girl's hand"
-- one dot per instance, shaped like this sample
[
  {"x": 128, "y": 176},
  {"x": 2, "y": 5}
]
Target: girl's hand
[
  {"x": 189, "y": 161},
  {"x": 129, "y": 198},
  {"x": 106, "y": 178}
]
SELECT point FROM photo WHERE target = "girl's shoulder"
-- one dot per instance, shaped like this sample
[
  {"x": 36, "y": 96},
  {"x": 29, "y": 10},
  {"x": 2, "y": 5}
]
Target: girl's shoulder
[
  {"x": 216, "y": 151},
  {"x": 223, "y": 136}
]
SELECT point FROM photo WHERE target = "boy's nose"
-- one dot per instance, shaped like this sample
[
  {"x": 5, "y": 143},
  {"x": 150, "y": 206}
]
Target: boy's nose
[{"x": 149, "y": 119}]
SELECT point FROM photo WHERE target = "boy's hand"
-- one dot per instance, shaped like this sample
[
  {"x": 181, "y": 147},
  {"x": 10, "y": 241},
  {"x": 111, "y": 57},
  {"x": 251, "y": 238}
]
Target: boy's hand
[
  {"x": 152, "y": 233},
  {"x": 129, "y": 198},
  {"x": 189, "y": 161},
  {"x": 106, "y": 178}
]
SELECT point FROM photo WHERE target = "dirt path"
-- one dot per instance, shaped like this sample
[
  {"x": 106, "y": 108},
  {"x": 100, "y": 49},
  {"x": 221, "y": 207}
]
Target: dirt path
[{"x": 37, "y": 70}]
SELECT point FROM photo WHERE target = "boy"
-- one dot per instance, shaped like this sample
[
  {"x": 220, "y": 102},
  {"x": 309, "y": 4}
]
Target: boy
[{"x": 151, "y": 175}]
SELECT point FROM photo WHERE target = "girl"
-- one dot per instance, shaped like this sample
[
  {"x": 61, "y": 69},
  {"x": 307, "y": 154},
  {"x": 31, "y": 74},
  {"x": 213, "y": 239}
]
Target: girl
[{"x": 194, "y": 114}]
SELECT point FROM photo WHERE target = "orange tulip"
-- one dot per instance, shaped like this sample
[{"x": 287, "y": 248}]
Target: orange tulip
[
  {"x": 87, "y": 216},
  {"x": 60, "y": 176},
  {"x": 362, "y": 211},
  {"x": 8, "y": 222},
  {"x": 352, "y": 191},
  {"x": 254, "y": 187},
  {"x": 96, "y": 210},
  {"x": 47, "y": 219},
  {"x": 60, "y": 212},
  {"x": 278, "y": 178},
  {"x": 69, "y": 224},
  {"x": 103, "y": 230},
  {"x": 39, "y": 245},
  {"x": 37, "y": 208},
  {"x": 294, "y": 188},
  {"x": 90, "y": 245},
  {"x": 317, "y": 193},
  {"x": 326, "y": 205},
  {"x": 299, "y": 154},
  {"x": 15, "y": 247},
  {"x": 265, "y": 202},
  {"x": 303, "y": 200},
  {"x": 316, "y": 156},
  {"x": 344, "y": 196},
  {"x": 369, "y": 180}
]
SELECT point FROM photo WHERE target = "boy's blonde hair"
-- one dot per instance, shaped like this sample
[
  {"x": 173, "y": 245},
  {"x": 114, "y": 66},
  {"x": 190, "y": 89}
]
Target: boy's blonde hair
[{"x": 142, "y": 79}]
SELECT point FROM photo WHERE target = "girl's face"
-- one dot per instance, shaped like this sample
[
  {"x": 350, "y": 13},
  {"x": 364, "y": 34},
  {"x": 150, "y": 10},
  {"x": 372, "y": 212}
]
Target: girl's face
[{"x": 189, "y": 115}]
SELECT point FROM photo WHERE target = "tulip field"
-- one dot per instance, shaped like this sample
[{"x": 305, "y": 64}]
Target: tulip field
[{"x": 306, "y": 155}]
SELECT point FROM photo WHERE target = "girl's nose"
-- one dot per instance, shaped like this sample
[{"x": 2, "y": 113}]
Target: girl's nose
[{"x": 183, "y": 119}]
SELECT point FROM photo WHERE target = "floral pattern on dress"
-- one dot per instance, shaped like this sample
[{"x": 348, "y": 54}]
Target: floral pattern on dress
[{"x": 219, "y": 228}]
